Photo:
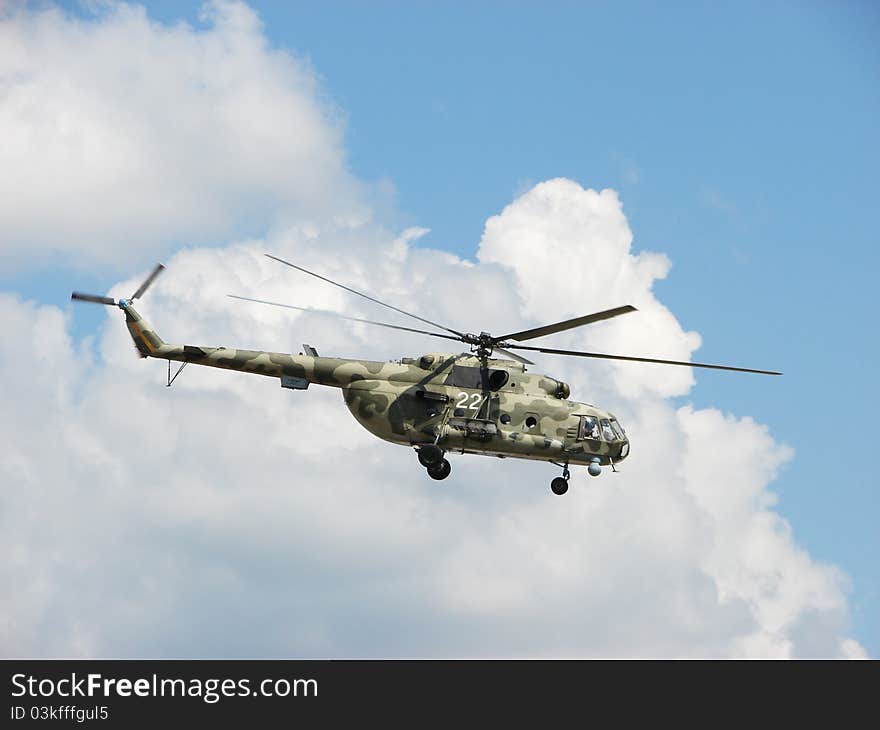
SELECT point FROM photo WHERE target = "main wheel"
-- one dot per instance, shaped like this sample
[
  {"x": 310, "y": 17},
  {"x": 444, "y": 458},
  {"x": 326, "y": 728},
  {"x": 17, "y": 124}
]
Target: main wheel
[
  {"x": 440, "y": 471},
  {"x": 430, "y": 455},
  {"x": 559, "y": 486}
]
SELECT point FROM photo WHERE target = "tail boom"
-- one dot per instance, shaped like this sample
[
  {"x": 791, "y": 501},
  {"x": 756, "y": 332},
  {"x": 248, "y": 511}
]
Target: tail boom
[{"x": 335, "y": 372}]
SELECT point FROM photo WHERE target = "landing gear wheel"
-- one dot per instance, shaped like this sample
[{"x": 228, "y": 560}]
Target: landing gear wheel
[
  {"x": 430, "y": 455},
  {"x": 440, "y": 471},
  {"x": 559, "y": 486}
]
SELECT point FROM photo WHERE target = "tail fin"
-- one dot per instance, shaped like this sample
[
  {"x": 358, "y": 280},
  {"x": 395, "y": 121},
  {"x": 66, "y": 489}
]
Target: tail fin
[{"x": 144, "y": 336}]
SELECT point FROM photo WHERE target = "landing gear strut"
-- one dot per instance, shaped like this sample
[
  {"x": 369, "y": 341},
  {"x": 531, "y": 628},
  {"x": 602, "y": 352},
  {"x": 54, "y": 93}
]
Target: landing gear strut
[{"x": 560, "y": 484}]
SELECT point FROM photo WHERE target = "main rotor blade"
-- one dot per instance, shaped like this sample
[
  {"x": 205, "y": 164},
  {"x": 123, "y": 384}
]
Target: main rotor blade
[
  {"x": 642, "y": 359},
  {"x": 365, "y": 296},
  {"x": 513, "y": 356},
  {"x": 549, "y": 329},
  {"x": 93, "y": 298},
  {"x": 148, "y": 281},
  {"x": 342, "y": 316}
]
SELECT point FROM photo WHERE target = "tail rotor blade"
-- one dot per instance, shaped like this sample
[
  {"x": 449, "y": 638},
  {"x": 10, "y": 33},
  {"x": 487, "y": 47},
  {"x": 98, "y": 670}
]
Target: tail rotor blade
[
  {"x": 93, "y": 298},
  {"x": 148, "y": 281}
]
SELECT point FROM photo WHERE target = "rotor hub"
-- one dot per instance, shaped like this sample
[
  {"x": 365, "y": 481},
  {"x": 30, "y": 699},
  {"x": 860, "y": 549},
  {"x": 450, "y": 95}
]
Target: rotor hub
[{"x": 481, "y": 344}]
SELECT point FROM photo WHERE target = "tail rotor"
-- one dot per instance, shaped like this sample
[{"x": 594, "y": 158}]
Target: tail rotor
[{"x": 109, "y": 301}]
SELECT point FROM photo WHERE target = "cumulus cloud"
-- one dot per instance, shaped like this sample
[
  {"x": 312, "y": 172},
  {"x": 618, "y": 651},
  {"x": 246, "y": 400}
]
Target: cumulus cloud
[
  {"x": 122, "y": 136},
  {"x": 570, "y": 251},
  {"x": 227, "y": 517}
]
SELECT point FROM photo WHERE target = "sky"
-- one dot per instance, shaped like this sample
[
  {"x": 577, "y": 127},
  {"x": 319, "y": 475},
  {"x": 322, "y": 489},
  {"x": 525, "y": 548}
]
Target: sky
[{"x": 493, "y": 165}]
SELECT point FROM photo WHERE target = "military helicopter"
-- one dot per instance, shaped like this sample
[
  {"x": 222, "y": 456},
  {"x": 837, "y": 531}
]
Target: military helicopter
[{"x": 438, "y": 403}]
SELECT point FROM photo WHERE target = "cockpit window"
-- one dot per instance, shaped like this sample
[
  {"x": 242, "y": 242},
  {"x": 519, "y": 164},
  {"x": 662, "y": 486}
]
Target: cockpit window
[
  {"x": 589, "y": 428},
  {"x": 618, "y": 430},
  {"x": 607, "y": 433}
]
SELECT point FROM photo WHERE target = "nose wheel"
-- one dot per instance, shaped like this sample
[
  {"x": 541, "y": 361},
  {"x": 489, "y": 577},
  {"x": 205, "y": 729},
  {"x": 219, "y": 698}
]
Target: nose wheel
[
  {"x": 431, "y": 457},
  {"x": 440, "y": 471},
  {"x": 559, "y": 485}
]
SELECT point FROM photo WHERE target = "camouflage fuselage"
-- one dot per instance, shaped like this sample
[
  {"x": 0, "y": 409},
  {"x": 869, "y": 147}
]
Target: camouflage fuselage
[{"x": 441, "y": 398}]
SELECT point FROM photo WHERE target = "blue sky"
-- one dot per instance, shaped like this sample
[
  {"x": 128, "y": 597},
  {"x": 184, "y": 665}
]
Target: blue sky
[{"x": 743, "y": 142}]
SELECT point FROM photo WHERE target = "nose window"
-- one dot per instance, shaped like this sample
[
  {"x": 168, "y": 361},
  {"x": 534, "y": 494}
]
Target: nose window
[{"x": 618, "y": 430}]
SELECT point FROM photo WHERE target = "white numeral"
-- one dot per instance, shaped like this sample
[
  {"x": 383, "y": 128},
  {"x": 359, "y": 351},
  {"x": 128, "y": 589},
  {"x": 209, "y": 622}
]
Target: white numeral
[{"x": 475, "y": 404}]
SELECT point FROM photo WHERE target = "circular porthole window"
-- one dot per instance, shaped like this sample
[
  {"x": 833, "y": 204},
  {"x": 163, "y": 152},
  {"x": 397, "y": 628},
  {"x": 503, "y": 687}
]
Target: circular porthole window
[
  {"x": 505, "y": 418},
  {"x": 531, "y": 422}
]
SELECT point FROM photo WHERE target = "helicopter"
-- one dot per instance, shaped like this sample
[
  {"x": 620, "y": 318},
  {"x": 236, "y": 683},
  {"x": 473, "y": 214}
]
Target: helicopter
[{"x": 437, "y": 403}]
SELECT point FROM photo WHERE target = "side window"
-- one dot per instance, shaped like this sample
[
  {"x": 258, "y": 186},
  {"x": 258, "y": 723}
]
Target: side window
[
  {"x": 463, "y": 376},
  {"x": 589, "y": 428},
  {"x": 607, "y": 433}
]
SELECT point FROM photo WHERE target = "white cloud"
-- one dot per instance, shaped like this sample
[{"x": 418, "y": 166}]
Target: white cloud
[
  {"x": 570, "y": 251},
  {"x": 278, "y": 526},
  {"x": 122, "y": 136},
  {"x": 225, "y": 516}
]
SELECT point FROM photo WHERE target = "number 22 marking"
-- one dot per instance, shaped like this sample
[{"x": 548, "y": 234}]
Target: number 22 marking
[{"x": 475, "y": 398}]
